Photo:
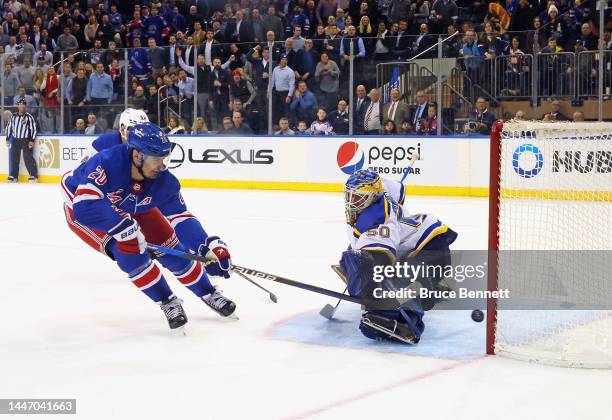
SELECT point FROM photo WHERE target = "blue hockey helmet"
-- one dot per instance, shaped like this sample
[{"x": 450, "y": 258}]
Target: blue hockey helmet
[
  {"x": 360, "y": 191},
  {"x": 148, "y": 139}
]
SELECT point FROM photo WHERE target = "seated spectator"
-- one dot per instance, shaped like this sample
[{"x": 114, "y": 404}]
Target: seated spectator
[
  {"x": 556, "y": 111},
  {"x": 174, "y": 127},
  {"x": 321, "y": 126},
  {"x": 429, "y": 125},
  {"x": 284, "y": 130},
  {"x": 240, "y": 127},
  {"x": 228, "y": 126},
  {"x": 578, "y": 116},
  {"x": 93, "y": 127},
  {"x": 480, "y": 120},
  {"x": 79, "y": 127},
  {"x": 302, "y": 129},
  {"x": 389, "y": 128},
  {"x": 199, "y": 126},
  {"x": 520, "y": 115},
  {"x": 303, "y": 104},
  {"x": 339, "y": 118}
]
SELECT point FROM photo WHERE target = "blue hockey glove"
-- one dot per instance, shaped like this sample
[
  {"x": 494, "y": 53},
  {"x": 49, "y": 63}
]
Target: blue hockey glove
[{"x": 215, "y": 250}]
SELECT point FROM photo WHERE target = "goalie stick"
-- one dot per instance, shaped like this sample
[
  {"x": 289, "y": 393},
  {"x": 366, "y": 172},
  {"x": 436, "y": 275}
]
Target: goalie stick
[
  {"x": 329, "y": 311},
  {"x": 258, "y": 274}
]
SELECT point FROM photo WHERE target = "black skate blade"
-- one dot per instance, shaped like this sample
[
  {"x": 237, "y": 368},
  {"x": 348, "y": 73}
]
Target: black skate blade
[
  {"x": 391, "y": 333},
  {"x": 179, "y": 331}
]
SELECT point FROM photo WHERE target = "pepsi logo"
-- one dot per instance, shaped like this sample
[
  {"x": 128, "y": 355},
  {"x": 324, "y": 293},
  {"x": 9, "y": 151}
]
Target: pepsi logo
[{"x": 350, "y": 157}]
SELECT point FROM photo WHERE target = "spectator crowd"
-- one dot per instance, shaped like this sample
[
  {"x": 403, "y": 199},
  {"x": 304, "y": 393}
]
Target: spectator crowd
[{"x": 199, "y": 67}]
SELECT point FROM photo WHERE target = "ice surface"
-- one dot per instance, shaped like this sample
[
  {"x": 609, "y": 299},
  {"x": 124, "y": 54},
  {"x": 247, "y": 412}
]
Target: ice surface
[{"x": 73, "y": 326}]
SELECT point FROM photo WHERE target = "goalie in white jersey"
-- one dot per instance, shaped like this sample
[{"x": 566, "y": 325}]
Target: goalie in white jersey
[{"x": 380, "y": 234}]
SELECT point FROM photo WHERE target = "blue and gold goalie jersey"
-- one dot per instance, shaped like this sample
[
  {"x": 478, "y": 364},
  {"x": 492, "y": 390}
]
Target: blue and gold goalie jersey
[{"x": 385, "y": 224}]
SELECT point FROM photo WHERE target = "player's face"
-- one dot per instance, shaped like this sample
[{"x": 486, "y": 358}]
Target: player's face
[
  {"x": 153, "y": 166},
  {"x": 353, "y": 204}
]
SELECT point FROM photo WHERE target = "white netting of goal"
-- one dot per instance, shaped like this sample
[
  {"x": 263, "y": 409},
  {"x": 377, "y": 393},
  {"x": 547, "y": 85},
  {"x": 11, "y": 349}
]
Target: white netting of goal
[{"x": 556, "y": 195}]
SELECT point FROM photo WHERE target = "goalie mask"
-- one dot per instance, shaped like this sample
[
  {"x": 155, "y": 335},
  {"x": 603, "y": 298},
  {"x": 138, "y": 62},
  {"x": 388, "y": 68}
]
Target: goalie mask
[{"x": 360, "y": 191}]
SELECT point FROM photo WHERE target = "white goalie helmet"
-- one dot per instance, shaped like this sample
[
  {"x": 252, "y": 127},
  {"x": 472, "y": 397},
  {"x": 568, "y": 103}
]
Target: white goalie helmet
[{"x": 129, "y": 118}]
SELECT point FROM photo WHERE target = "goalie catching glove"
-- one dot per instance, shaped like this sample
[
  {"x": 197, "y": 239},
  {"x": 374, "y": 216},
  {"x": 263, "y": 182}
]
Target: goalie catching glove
[
  {"x": 130, "y": 239},
  {"x": 215, "y": 251}
]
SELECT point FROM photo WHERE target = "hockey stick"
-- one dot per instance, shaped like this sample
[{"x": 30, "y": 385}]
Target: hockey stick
[
  {"x": 272, "y": 295},
  {"x": 195, "y": 257},
  {"x": 293, "y": 283}
]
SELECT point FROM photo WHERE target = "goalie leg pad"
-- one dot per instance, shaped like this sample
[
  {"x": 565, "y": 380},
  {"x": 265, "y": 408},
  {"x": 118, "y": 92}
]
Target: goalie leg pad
[{"x": 391, "y": 326}]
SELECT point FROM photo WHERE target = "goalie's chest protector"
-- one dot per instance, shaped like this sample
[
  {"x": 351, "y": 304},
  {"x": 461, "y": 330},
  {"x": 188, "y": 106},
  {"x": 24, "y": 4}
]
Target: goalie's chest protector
[{"x": 383, "y": 225}]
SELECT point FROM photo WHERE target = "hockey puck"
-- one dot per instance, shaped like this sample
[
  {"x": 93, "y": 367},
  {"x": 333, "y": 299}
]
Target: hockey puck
[{"x": 477, "y": 315}]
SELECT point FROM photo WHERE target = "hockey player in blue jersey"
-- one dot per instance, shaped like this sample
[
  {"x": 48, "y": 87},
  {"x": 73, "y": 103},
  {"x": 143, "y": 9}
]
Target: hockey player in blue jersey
[
  {"x": 128, "y": 119},
  {"x": 123, "y": 197},
  {"x": 380, "y": 233}
]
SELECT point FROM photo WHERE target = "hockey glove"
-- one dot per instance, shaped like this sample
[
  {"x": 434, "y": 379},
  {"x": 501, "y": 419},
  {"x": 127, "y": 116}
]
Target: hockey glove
[
  {"x": 130, "y": 239},
  {"x": 215, "y": 250}
]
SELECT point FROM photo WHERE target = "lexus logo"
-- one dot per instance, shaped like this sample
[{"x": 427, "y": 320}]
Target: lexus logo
[
  {"x": 177, "y": 156},
  {"x": 235, "y": 156}
]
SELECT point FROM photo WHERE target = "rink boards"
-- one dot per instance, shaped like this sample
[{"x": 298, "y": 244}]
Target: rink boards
[{"x": 446, "y": 165}]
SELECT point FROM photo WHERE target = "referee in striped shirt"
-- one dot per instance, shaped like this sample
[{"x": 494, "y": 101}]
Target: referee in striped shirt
[{"x": 20, "y": 134}]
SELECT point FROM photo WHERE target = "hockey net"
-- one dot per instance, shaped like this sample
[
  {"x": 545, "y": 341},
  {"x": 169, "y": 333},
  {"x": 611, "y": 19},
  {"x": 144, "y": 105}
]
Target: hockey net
[{"x": 550, "y": 242}]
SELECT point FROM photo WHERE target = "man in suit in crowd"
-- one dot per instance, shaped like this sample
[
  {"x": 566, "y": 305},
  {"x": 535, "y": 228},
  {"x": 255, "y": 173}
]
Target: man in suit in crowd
[
  {"x": 396, "y": 110},
  {"x": 418, "y": 112},
  {"x": 373, "y": 118},
  {"x": 240, "y": 31},
  {"x": 361, "y": 105}
]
